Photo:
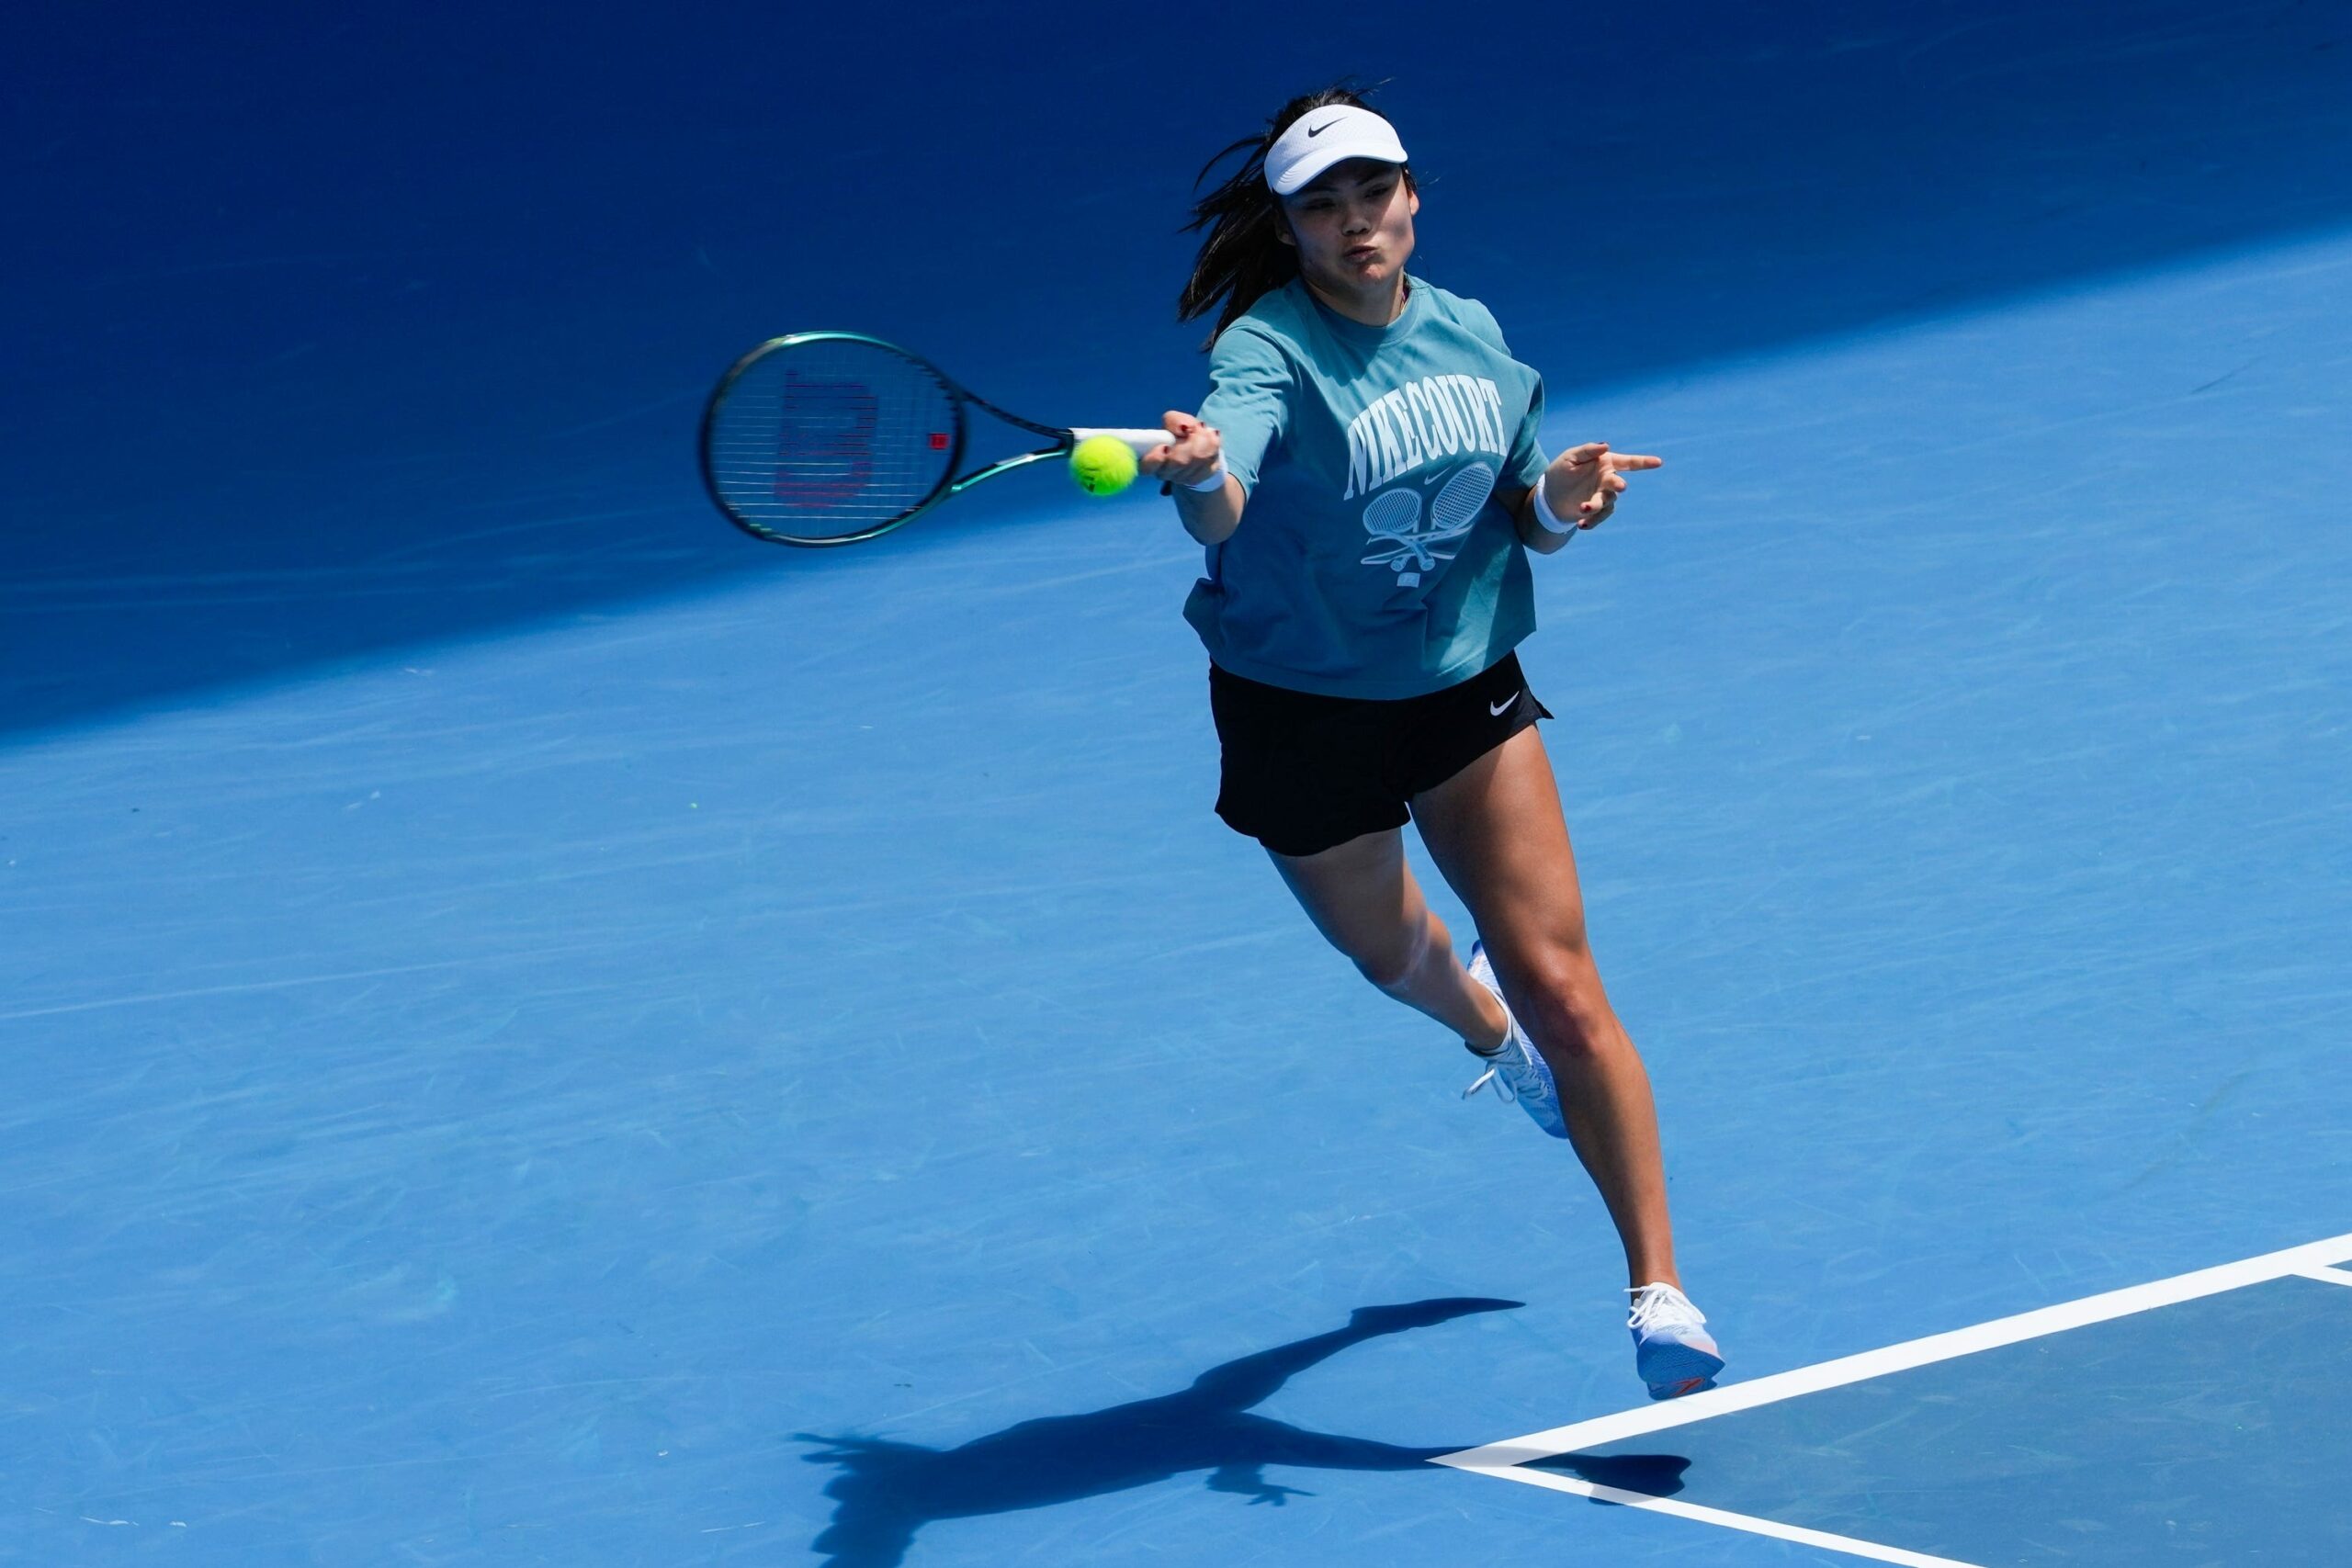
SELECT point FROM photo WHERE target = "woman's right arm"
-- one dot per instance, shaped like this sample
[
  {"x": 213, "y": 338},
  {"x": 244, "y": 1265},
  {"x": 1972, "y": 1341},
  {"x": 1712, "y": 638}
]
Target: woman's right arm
[{"x": 1195, "y": 454}]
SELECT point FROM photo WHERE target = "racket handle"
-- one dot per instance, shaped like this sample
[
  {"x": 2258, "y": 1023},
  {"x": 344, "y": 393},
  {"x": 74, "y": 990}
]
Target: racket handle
[{"x": 1143, "y": 441}]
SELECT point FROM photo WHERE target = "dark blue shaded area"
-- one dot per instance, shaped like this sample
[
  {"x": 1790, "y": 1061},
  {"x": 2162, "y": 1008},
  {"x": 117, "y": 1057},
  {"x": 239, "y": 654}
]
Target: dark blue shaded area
[
  {"x": 2211, "y": 1432},
  {"x": 333, "y": 332}
]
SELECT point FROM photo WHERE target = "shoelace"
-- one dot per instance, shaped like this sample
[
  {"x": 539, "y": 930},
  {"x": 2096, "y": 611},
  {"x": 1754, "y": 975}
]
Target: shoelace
[
  {"x": 1493, "y": 1074},
  {"x": 1654, "y": 1304}
]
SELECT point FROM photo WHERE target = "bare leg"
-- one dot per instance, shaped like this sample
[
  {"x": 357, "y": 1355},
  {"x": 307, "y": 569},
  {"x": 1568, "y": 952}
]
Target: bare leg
[
  {"x": 1362, "y": 896},
  {"x": 1495, "y": 832}
]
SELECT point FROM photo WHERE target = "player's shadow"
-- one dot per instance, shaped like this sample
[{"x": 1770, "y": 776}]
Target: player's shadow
[{"x": 888, "y": 1491}]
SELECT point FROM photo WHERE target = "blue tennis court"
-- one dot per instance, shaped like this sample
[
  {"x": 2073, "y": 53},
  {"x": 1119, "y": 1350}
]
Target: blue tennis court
[{"x": 539, "y": 1030}]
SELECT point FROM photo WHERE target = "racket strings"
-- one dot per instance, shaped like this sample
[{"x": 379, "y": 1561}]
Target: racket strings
[
  {"x": 1462, "y": 498},
  {"x": 832, "y": 439}
]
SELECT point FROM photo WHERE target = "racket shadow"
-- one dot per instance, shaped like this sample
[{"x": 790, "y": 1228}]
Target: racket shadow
[{"x": 888, "y": 1491}]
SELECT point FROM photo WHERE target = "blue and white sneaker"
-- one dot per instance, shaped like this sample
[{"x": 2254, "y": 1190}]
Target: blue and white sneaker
[
  {"x": 1517, "y": 1070},
  {"x": 1672, "y": 1351}
]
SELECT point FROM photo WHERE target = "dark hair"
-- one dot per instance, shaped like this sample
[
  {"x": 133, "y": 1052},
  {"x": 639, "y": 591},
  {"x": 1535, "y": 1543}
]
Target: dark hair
[{"x": 1244, "y": 257}]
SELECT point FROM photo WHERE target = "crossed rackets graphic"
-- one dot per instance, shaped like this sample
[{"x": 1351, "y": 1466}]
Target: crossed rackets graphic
[{"x": 1393, "y": 517}]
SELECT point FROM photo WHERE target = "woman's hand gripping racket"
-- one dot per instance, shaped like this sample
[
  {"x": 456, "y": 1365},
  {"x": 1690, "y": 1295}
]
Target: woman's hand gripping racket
[{"x": 830, "y": 438}]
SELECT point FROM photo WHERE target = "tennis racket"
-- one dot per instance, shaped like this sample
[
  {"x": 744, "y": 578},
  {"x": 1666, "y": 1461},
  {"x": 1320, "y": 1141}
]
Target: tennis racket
[{"x": 832, "y": 439}]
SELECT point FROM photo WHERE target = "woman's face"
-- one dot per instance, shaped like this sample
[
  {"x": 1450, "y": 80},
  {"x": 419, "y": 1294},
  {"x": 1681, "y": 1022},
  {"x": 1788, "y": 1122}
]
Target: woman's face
[{"x": 1354, "y": 226}]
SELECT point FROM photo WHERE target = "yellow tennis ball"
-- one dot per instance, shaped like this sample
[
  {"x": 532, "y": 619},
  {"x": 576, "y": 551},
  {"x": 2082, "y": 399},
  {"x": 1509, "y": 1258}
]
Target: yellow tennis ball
[{"x": 1102, "y": 465}]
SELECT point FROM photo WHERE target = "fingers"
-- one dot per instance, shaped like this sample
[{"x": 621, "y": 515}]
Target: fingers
[
  {"x": 1188, "y": 458},
  {"x": 1606, "y": 488},
  {"x": 1596, "y": 510},
  {"x": 1162, "y": 462},
  {"x": 1599, "y": 507},
  {"x": 1194, "y": 441},
  {"x": 1598, "y": 451},
  {"x": 1596, "y": 465}
]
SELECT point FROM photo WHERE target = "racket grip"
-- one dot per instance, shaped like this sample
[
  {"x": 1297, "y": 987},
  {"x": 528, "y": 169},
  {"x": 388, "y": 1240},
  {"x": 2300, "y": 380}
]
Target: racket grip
[{"x": 1142, "y": 441}]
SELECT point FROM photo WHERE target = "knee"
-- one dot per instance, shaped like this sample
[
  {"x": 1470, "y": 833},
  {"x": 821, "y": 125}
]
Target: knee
[
  {"x": 1555, "y": 992},
  {"x": 1392, "y": 961}
]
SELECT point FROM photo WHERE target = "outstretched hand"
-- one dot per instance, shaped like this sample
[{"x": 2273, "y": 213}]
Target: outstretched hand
[{"x": 1583, "y": 483}]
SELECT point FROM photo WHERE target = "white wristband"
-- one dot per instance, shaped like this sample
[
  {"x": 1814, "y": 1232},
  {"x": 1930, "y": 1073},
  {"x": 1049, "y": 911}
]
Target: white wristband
[
  {"x": 1544, "y": 514},
  {"x": 1215, "y": 480}
]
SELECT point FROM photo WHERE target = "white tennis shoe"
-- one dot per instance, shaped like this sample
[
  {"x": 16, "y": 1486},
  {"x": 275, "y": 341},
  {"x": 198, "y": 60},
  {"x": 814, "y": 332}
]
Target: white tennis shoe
[
  {"x": 1672, "y": 1349},
  {"x": 1516, "y": 1069}
]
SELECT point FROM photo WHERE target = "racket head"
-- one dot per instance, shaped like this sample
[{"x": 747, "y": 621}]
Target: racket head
[
  {"x": 1393, "y": 514},
  {"x": 1460, "y": 500},
  {"x": 830, "y": 438}
]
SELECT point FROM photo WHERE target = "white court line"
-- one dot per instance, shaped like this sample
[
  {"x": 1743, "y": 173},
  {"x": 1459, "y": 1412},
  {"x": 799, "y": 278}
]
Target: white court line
[
  {"x": 1747, "y": 1522},
  {"x": 1507, "y": 1459},
  {"x": 1902, "y": 1357}
]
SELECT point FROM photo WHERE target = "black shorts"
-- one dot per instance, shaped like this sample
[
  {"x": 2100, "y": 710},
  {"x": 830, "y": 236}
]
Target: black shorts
[{"x": 1303, "y": 773}]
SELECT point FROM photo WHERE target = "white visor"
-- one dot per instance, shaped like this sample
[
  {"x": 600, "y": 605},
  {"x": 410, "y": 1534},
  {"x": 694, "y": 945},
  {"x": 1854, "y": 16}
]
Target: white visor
[{"x": 1321, "y": 138}]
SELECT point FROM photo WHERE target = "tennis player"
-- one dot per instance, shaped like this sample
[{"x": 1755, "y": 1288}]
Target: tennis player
[{"x": 1367, "y": 477}]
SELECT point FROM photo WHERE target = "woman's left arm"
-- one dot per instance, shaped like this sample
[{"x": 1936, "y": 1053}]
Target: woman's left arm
[{"x": 1581, "y": 488}]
